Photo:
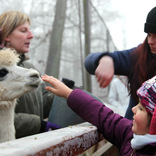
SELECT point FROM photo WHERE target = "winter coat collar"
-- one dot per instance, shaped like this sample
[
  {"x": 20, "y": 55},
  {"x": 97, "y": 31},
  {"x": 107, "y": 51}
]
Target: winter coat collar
[
  {"x": 23, "y": 58},
  {"x": 140, "y": 141}
]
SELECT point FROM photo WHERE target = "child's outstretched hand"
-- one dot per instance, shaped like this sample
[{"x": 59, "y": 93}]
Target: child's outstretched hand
[{"x": 58, "y": 87}]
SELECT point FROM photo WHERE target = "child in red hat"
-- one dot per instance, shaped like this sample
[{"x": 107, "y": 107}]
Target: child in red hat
[
  {"x": 137, "y": 137},
  {"x": 144, "y": 123}
]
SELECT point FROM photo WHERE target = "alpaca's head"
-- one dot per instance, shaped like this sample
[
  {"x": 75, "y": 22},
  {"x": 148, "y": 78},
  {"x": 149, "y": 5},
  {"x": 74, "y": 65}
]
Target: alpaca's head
[{"x": 14, "y": 80}]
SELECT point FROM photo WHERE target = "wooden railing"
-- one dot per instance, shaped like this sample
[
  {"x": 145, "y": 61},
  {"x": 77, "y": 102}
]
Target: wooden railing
[{"x": 69, "y": 141}]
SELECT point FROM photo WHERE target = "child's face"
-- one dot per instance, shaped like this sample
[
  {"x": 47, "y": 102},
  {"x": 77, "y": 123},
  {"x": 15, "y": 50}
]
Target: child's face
[{"x": 141, "y": 122}]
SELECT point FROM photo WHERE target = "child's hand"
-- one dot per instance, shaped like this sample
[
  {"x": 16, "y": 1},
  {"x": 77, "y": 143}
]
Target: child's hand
[{"x": 58, "y": 88}]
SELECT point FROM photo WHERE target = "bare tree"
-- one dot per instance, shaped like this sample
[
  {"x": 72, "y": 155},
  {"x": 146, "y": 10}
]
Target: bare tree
[
  {"x": 87, "y": 78},
  {"x": 53, "y": 61}
]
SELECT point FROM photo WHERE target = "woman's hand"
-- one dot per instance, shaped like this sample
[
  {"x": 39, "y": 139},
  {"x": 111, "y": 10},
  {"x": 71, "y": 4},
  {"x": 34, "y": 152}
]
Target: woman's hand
[
  {"x": 58, "y": 87},
  {"x": 105, "y": 71}
]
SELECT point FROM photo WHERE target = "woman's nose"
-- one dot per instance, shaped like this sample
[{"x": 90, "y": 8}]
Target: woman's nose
[
  {"x": 30, "y": 35},
  {"x": 150, "y": 40}
]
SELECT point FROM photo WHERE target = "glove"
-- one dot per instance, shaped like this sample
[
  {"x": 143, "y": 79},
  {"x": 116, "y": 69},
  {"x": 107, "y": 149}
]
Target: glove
[{"x": 46, "y": 126}]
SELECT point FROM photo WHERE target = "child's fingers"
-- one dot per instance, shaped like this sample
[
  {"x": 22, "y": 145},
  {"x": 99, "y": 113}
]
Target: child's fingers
[
  {"x": 51, "y": 89},
  {"x": 49, "y": 79}
]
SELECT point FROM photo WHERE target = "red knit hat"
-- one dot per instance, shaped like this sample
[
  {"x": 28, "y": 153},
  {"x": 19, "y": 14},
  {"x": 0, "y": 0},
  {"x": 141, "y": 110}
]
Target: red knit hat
[
  {"x": 153, "y": 124},
  {"x": 147, "y": 95}
]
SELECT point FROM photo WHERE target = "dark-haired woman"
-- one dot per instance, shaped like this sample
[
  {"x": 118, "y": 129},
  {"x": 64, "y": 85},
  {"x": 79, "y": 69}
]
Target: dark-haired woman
[{"x": 138, "y": 64}]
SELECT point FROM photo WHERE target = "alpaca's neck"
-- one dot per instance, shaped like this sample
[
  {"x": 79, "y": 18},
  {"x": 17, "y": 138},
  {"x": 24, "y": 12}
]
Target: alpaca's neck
[{"x": 7, "y": 129}]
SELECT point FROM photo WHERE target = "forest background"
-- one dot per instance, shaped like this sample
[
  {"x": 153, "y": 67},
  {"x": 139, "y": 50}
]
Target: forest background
[{"x": 60, "y": 28}]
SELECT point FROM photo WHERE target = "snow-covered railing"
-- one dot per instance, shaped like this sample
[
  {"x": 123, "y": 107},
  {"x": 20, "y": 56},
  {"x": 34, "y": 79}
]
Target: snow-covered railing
[{"x": 69, "y": 141}]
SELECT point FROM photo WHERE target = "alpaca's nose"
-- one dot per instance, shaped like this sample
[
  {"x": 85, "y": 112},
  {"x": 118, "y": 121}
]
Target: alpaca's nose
[
  {"x": 35, "y": 79},
  {"x": 34, "y": 75}
]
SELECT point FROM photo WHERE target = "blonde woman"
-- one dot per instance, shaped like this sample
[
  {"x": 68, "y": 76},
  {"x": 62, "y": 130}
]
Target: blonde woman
[{"x": 33, "y": 107}]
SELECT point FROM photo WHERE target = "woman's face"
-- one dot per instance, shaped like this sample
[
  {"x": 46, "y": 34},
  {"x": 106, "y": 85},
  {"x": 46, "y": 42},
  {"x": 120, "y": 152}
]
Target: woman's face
[
  {"x": 152, "y": 42},
  {"x": 20, "y": 38},
  {"x": 141, "y": 120}
]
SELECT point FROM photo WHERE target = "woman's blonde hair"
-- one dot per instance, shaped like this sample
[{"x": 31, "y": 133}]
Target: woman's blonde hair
[{"x": 9, "y": 21}]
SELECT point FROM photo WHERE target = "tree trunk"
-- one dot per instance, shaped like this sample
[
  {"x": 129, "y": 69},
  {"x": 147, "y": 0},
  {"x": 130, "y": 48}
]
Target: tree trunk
[
  {"x": 53, "y": 60},
  {"x": 87, "y": 77}
]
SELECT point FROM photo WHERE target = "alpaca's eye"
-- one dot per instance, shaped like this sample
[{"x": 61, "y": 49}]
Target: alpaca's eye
[{"x": 3, "y": 72}]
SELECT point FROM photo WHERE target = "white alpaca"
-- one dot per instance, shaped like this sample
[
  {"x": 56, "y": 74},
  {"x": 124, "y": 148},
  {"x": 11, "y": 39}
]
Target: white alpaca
[{"x": 14, "y": 82}]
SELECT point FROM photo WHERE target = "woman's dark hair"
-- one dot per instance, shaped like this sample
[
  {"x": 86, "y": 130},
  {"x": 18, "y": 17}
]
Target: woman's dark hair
[{"x": 144, "y": 67}]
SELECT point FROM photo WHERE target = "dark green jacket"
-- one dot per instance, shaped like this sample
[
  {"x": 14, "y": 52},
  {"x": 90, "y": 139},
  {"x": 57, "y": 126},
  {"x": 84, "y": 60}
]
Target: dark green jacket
[{"x": 32, "y": 107}]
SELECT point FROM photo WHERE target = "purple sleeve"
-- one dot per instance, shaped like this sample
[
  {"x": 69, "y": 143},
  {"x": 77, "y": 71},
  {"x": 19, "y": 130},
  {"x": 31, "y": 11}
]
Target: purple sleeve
[{"x": 113, "y": 126}]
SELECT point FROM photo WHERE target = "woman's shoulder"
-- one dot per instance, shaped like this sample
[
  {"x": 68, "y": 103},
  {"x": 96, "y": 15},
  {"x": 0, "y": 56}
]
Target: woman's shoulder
[{"x": 28, "y": 64}]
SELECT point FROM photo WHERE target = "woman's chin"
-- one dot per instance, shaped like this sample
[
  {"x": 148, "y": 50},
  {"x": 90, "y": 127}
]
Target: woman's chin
[{"x": 25, "y": 51}]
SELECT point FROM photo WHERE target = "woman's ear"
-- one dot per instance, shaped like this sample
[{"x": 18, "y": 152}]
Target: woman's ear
[{"x": 7, "y": 39}]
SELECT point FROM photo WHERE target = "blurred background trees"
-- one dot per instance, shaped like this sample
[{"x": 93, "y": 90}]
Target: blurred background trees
[{"x": 64, "y": 33}]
